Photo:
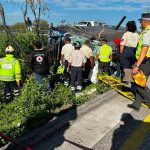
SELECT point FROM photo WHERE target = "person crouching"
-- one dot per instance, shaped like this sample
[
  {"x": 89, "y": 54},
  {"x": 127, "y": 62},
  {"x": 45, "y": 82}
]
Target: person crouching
[{"x": 77, "y": 64}]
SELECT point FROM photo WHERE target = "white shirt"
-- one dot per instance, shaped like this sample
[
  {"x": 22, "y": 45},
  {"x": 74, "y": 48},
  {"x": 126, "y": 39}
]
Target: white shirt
[
  {"x": 77, "y": 58},
  {"x": 146, "y": 38},
  {"x": 87, "y": 51},
  {"x": 130, "y": 39},
  {"x": 67, "y": 50}
]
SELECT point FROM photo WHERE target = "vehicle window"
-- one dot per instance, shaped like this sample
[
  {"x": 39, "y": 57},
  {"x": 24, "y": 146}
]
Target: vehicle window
[
  {"x": 82, "y": 23},
  {"x": 100, "y": 24},
  {"x": 96, "y": 24},
  {"x": 89, "y": 24}
]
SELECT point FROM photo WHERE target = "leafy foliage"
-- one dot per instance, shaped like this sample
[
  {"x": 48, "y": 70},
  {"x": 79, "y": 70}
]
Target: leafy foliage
[
  {"x": 42, "y": 23},
  {"x": 35, "y": 106},
  {"x": 18, "y": 26},
  {"x": 35, "y": 103},
  {"x": 26, "y": 41},
  {"x": 102, "y": 87}
]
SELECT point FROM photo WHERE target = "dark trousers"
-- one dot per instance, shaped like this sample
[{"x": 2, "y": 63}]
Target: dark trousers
[
  {"x": 118, "y": 69},
  {"x": 66, "y": 74},
  {"x": 127, "y": 58},
  {"x": 66, "y": 66},
  {"x": 143, "y": 93},
  {"x": 87, "y": 69},
  {"x": 104, "y": 67},
  {"x": 76, "y": 75},
  {"x": 10, "y": 89},
  {"x": 39, "y": 78}
]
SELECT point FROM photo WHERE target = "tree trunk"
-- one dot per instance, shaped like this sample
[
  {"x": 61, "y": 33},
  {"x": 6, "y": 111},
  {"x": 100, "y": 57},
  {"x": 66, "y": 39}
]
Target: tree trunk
[{"x": 9, "y": 32}]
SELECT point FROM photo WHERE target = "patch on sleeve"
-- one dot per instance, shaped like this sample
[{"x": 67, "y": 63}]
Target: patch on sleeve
[
  {"x": 144, "y": 37},
  {"x": 122, "y": 40}
]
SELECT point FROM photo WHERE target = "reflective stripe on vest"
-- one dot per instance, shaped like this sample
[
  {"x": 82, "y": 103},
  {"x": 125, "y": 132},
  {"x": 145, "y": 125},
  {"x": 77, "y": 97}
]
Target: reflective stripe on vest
[
  {"x": 8, "y": 61},
  {"x": 105, "y": 52},
  {"x": 7, "y": 78},
  {"x": 139, "y": 48}
]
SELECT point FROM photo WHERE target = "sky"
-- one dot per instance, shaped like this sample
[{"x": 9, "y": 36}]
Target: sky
[{"x": 108, "y": 11}]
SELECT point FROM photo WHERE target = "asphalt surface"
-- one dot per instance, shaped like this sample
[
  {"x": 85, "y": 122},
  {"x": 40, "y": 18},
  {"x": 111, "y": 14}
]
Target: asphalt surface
[{"x": 111, "y": 126}]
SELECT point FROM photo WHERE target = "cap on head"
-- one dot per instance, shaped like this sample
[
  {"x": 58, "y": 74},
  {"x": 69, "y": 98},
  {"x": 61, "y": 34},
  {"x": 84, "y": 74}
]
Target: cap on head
[
  {"x": 117, "y": 41},
  {"x": 145, "y": 16},
  {"x": 77, "y": 44},
  {"x": 9, "y": 49},
  {"x": 104, "y": 40}
]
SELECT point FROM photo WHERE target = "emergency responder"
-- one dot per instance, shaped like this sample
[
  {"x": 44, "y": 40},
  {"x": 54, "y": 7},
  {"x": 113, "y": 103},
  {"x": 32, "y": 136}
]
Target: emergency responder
[
  {"x": 142, "y": 62},
  {"x": 77, "y": 64},
  {"x": 128, "y": 46},
  {"x": 10, "y": 74},
  {"x": 104, "y": 56},
  {"x": 66, "y": 52},
  {"x": 40, "y": 62},
  {"x": 87, "y": 51}
]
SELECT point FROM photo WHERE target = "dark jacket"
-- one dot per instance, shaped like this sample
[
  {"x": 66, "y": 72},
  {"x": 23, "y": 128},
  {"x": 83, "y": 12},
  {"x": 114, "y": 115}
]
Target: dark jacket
[{"x": 40, "y": 61}]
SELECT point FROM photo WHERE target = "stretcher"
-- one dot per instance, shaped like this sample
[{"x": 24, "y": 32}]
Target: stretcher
[{"x": 120, "y": 87}]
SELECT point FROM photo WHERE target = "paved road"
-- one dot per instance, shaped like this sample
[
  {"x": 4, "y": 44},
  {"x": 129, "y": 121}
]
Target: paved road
[{"x": 110, "y": 126}]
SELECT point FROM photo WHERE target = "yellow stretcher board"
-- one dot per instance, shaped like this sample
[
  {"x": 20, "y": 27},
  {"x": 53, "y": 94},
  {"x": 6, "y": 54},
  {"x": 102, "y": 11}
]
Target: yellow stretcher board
[{"x": 119, "y": 87}]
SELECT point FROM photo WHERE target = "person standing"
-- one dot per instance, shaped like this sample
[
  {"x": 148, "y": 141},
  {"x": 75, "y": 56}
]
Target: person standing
[
  {"x": 29, "y": 24},
  {"x": 10, "y": 74},
  {"x": 87, "y": 51},
  {"x": 104, "y": 56},
  {"x": 66, "y": 52},
  {"x": 128, "y": 46},
  {"x": 116, "y": 56},
  {"x": 142, "y": 62},
  {"x": 77, "y": 64},
  {"x": 40, "y": 62}
]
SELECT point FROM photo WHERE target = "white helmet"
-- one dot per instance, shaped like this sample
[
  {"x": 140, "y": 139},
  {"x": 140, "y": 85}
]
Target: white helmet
[{"x": 9, "y": 49}]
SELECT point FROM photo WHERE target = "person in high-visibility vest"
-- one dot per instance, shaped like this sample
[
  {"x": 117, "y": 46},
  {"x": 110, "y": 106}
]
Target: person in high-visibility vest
[
  {"x": 10, "y": 74},
  {"x": 104, "y": 56},
  {"x": 142, "y": 62}
]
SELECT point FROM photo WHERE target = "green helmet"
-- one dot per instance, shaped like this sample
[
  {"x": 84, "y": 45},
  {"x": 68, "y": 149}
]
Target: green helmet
[
  {"x": 60, "y": 70},
  {"x": 76, "y": 44}
]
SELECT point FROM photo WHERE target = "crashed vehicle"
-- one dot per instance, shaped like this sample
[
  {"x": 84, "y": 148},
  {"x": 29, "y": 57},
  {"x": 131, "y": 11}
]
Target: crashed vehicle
[{"x": 57, "y": 34}]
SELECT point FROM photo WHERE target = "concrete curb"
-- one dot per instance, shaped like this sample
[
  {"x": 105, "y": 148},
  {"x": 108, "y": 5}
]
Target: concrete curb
[{"x": 52, "y": 126}]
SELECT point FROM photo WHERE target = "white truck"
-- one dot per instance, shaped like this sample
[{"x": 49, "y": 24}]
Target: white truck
[{"x": 90, "y": 24}]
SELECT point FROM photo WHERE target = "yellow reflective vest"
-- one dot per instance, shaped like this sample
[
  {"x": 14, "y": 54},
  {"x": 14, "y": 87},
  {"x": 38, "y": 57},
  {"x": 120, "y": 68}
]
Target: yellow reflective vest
[
  {"x": 105, "y": 52},
  {"x": 139, "y": 48},
  {"x": 9, "y": 68}
]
